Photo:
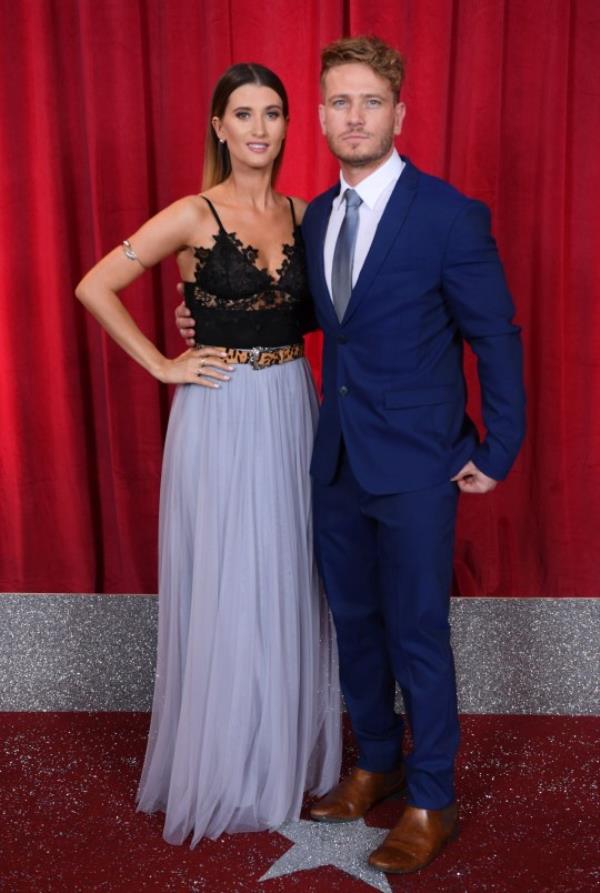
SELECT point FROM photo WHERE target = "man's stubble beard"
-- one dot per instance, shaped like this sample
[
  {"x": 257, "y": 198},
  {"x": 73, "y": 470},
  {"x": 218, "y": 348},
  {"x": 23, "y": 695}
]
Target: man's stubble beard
[{"x": 382, "y": 149}]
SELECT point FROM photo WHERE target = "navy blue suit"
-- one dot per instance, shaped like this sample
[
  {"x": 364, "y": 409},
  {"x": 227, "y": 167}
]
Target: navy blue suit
[{"x": 392, "y": 432}]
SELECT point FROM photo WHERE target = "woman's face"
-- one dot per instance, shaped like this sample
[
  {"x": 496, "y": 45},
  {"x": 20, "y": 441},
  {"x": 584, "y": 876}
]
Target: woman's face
[{"x": 253, "y": 126}]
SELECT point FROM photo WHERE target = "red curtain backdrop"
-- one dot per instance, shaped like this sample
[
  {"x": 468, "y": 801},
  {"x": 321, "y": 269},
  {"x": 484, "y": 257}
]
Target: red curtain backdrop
[{"x": 103, "y": 109}]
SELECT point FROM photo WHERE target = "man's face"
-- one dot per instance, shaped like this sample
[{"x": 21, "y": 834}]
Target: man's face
[{"x": 359, "y": 116}]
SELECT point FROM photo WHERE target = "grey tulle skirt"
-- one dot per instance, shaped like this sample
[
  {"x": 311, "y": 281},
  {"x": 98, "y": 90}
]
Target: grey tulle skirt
[{"x": 246, "y": 709}]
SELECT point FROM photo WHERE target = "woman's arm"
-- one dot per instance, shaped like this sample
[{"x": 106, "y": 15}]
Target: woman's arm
[{"x": 164, "y": 234}]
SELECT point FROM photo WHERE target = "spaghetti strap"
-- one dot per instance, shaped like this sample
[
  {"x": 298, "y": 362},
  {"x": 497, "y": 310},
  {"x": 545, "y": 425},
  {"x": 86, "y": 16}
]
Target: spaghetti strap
[
  {"x": 214, "y": 212},
  {"x": 293, "y": 211}
]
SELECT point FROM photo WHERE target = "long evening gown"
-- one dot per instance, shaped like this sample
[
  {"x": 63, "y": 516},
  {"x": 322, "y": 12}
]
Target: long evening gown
[{"x": 246, "y": 708}]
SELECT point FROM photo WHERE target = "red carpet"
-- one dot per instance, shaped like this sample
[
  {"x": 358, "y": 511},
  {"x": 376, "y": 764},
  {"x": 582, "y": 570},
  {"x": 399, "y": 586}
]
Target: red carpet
[{"x": 529, "y": 805}]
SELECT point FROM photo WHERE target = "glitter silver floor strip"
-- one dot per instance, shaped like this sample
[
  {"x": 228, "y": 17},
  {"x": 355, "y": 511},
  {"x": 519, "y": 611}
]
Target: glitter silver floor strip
[{"x": 96, "y": 652}]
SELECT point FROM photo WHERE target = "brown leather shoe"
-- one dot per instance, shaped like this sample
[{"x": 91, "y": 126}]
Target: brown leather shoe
[
  {"x": 354, "y": 796},
  {"x": 416, "y": 840}
]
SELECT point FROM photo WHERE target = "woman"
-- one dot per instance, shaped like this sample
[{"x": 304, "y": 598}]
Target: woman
[{"x": 246, "y": 713}]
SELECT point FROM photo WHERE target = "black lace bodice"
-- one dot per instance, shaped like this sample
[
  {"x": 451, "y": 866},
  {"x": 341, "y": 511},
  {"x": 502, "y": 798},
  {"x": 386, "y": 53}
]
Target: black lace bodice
[{"x": 236, "y": 304}]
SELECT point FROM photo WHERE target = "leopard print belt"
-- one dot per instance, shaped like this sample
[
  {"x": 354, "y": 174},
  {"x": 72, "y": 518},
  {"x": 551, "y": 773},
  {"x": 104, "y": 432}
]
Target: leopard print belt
[{"x": 263, "y": 357}]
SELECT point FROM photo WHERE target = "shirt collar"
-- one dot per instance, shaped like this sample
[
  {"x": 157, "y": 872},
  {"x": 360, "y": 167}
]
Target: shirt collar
[{"x": 372, "y": 186}]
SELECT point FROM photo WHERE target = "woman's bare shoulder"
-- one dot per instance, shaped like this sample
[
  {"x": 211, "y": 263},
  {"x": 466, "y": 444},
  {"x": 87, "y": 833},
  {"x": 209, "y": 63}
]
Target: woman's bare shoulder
[
  {"x": 299, "y": 207},
  {"x": 197, "y": 218},
  {"x": 186, "y": 214},
  {"x": 194, "y": 207}
]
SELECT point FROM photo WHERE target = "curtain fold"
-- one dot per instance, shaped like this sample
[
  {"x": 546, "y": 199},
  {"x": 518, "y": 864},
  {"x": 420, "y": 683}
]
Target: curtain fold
[{"x": 103, "y": 110}]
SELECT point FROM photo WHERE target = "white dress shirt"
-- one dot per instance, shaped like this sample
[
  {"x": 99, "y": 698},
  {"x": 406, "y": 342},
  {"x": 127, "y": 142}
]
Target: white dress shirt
[{"x": 375, "y": 191}]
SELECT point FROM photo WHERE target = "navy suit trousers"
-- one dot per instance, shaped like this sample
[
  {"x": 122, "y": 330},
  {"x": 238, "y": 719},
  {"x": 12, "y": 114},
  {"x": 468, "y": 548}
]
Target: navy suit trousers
[{"x": 386, "y": 562}]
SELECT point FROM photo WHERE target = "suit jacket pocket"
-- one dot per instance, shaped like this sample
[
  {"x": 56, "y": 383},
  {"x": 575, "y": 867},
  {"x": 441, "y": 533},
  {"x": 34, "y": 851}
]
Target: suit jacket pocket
[{"x": 407, "y": 397}]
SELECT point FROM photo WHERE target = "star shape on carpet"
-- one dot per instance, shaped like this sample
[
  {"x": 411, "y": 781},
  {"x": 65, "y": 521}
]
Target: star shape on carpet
[{"x": 344, "y": 845}]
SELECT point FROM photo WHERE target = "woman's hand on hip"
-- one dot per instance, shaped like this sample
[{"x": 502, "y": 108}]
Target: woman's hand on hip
[{"x": 206, "y": 366}]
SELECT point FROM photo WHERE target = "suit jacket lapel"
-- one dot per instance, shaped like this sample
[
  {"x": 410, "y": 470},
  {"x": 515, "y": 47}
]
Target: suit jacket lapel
[
  {"x": 318, "y": 255},
  {"x": 389, "y": 226}
]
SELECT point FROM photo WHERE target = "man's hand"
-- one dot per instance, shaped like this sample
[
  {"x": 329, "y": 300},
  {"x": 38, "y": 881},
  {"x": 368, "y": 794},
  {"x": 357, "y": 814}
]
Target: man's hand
[
  {"x": 185, "y": 322},
  {"x": 471, "y": 480}
]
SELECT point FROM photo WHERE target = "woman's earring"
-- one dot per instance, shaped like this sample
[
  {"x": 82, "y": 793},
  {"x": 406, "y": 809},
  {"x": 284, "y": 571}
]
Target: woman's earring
[{"x": 222, "y": 141}]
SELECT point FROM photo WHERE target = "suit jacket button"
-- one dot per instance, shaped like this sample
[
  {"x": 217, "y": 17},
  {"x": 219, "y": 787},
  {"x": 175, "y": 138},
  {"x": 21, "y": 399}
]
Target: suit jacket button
[
  {"x": 342, "y": 339},
  {"x": 343, "y": 391}
]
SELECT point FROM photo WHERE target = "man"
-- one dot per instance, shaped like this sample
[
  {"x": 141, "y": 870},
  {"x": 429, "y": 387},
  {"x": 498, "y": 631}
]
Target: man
[{"x": 402, "y": 267}]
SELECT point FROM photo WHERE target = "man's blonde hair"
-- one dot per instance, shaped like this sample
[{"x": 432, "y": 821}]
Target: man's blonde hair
[{"x": 383, "y": 59}]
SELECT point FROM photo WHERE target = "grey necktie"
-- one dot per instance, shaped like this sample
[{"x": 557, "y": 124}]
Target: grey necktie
[{"x": 343, "y": 256}]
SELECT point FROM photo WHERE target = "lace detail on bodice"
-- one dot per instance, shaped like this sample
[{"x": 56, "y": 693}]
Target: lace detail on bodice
[
  {"x": 226, "y": 276},
  {"x": 238, "y": 303}
]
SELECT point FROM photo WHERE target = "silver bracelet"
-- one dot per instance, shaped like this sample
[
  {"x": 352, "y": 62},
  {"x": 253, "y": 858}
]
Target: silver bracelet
[{"x": 129, "y": 252}]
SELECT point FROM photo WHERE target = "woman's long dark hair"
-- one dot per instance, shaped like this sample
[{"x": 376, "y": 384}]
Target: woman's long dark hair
[{"x": 217, "y": 163}]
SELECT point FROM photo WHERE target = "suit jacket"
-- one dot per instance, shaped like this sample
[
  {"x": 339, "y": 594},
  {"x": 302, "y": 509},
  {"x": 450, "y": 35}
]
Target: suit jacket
[{"x": 393, "y": 383}]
